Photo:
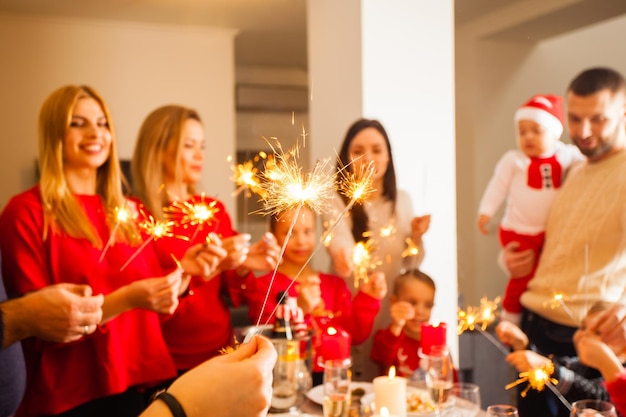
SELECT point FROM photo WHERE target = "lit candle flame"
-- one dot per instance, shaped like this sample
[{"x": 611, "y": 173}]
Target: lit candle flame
[{"x": 392, "y": 372}]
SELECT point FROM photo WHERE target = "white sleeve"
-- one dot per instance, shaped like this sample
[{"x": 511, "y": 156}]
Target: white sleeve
[{"x": 498, "y": 188}]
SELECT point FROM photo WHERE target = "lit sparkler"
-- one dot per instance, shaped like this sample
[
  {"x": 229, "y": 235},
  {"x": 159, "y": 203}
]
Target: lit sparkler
[
  {"x": 288, "y": 188},
  {"x": 155, "y": 229},
  {"x": 363, "y": 262},
  {"x": 246, "y": 177},
  {"x": 538, "y": 379},
  {"x": 187, "y": 213},
  {"x": 558, "y": 300},
  {"x": 122, "y": 215},
  {"x": 479, "y": 319}
]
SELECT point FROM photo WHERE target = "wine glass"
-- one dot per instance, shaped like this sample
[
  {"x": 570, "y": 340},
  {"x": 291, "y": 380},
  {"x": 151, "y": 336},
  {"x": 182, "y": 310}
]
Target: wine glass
[
  {"x": 592, "y": 408},
  {"x": 465, "y": 398},
  {"x": 502, "y": 410},
  {"x": 439, "y": 374},
  {"x": 337, "y": 377}
]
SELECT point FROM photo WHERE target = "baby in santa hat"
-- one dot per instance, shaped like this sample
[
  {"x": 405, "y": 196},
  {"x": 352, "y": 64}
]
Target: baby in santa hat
[{"x": 528, "y": 178}]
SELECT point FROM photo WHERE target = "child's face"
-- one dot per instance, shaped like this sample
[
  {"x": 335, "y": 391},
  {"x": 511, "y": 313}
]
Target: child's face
[
  {"x": 533, "y": 139},
  {"x": 422, "y": 297},
  {"x": 302, "y": 240}
]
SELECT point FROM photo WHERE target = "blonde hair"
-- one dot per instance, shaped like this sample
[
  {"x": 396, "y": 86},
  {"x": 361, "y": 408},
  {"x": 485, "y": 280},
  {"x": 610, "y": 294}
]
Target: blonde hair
[
  {"x": 59, "y": 204},
  {"x": 159, "y": 131}
]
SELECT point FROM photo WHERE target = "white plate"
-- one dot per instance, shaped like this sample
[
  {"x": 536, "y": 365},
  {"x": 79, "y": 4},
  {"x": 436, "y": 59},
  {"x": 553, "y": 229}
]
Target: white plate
[
  {"x": 316, "y": 394},
  {"x": 368, "y": 399}
]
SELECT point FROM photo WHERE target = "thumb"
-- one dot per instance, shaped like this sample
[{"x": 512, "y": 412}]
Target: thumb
[
  {"x": 512, "y": 246},
  {"x": 243, "y": 351},
  {"x": 78, "y": 289}
]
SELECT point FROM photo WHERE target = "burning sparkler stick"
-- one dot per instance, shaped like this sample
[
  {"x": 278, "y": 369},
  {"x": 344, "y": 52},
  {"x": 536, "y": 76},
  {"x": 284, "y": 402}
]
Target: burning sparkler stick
[
  {"x": 122, "y": 215},
  {"x": 155, "y": 229},
  {"x": 475, "y": 318},
  {"x": 538, "y": 379},
  {"x": 558, "y": 300},
  {"x": 288, "y": 188}
]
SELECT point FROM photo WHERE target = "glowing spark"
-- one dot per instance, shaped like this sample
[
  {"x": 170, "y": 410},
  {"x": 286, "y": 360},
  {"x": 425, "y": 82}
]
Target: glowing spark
[
  {"x": 363, "y": 262},
  {"x": 189, "y": 214},
  {"x": 246, "y": 177},
  {"x": 177, "y": 262},
  {"x": 287, "y": 187},
  {"x": 387, "y": 231},
  {"x": 475, "y": 318},
  {"x": 229, "y": 158},
  {"x": 155, "y": 229},
  {"x": 558, "y": 300},
  {"x": 122, "y": 215},
  {"x": 537, "y": 379},
  {"x": 487, "y": 311},
  {"x": 411, "y": 248},
  {"x": 358, "y": 184}
]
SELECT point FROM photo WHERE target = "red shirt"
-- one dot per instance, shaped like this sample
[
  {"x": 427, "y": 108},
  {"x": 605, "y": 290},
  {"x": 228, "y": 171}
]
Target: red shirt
[
  {"x": 400, "y": 351},
  {"x": 355, "y": 316},
  {"x": 201, "y": 325},
  {"x": 617, "y": 391},
  {"x": 127, "y": 351}
]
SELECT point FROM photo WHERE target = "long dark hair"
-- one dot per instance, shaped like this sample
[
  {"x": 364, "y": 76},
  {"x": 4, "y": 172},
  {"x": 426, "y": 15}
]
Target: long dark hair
[{"x": 389, "y": 191}]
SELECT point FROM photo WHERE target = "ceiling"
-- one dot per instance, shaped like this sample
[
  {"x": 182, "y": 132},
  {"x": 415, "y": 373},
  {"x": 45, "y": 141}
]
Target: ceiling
[{"x": 273, "y": 32}]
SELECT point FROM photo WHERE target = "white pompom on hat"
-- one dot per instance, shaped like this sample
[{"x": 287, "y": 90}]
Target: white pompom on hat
[{"x": 544, "y": 109}]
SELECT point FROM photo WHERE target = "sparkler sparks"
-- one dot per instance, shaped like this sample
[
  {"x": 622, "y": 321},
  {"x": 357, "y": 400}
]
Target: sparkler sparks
[
  {"x": 539, "y": 379},
  {"x": 558, "y": 300},
  {"x": 246, "y": 177},
  {"x": 358, "y": 184},
  {"x": 287, "y": 187},
  {"x": 479, "y": 319},
  {"x": 190, "y": 214},
  {"x": 155, "y": 229},
  {"x": 363, "y": 262},
  {"x": 122, "y": 215},
  {"x": 411, "y": 248}
]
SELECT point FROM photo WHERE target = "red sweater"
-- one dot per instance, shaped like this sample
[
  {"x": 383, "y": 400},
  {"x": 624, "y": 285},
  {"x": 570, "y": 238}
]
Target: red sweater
[
  {"x": 355, "y": 316},
  {"x": 617, "y": 391},
  {"x": 127, "y": 351},
  {"x": 399, "y": 351},
  {"x": 201, "y": 326}
]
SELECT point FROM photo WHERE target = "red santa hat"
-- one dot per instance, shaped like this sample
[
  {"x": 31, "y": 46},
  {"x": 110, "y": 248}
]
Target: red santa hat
[{"x": 544, "y": 109}]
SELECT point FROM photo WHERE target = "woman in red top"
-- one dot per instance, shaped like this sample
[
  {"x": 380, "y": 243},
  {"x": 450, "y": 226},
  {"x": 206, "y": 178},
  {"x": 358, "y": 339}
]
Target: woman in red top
[
  {"x": 56, "y": 232},
  {"x": 167, "y": 165}
]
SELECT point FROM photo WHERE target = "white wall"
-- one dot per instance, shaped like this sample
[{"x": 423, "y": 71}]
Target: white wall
[
  {"x": 136, "y": 67},
  {"x": 493, "y": 79}
]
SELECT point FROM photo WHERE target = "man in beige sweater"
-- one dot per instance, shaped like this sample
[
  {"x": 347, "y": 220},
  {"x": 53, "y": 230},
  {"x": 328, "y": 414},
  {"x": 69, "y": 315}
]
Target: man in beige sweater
[{"x": 584, "y": 257}]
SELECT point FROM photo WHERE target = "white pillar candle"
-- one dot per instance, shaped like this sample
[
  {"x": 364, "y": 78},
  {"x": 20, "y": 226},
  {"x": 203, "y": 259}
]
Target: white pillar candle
[{"x": 390, "y": 392}]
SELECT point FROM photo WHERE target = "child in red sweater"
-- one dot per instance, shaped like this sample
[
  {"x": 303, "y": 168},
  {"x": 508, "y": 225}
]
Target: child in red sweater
[
  {"x": 412, "y": 301},
  {"x": 324, "y": 299}
]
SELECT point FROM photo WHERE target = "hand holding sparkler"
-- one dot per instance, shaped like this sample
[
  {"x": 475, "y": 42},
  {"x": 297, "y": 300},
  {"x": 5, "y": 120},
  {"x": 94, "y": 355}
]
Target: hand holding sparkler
[
  {"x": 237, "y": 248},
  {"x": 363, "y": 262},
  {"x": 203, "y": 259},
  {"x": 375, "y": 286},
  {"x": 539, "y": 378},
  {"x": 155, "y": 294},
  {"x": 262, "y": 255},
  {"x": 511, "y": 335},
  {"x": 419, "y": 226},
  {"x": 309, "y": 293}
]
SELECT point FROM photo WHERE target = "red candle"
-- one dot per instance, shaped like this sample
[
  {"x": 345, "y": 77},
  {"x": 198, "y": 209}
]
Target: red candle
[
  {"x": 334, "y": 344},
  {"x": 433, "y": 335}
]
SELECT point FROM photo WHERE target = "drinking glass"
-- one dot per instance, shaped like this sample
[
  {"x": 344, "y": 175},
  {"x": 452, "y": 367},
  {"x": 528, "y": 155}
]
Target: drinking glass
[
  {"x": 502, "y": 410},
  {"x": 465, "y": 399},
  {"x": 439, "y": 374},
  {"x": 592, "y": 408},
  {"x": 337, "y": 377},
  {"x": 291, "y": 377}
]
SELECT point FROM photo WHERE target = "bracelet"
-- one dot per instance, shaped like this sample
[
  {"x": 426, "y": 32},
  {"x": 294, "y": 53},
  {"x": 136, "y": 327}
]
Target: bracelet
[{"x": 172, "y": 403}]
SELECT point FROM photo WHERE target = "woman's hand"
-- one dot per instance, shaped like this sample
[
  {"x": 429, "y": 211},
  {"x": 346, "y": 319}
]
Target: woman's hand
[
  {"x": 156, "y": 294},
  {"x": 610, "y": 325},
  {"x": 263, "y": 255},
  {"x": 376, "y": 286},
  {"x": 237, "y": 248},
  {"x": 203, "y": 259},
  {"x": 419, "y": 226},
  {"x": 483, "y": 220}
]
